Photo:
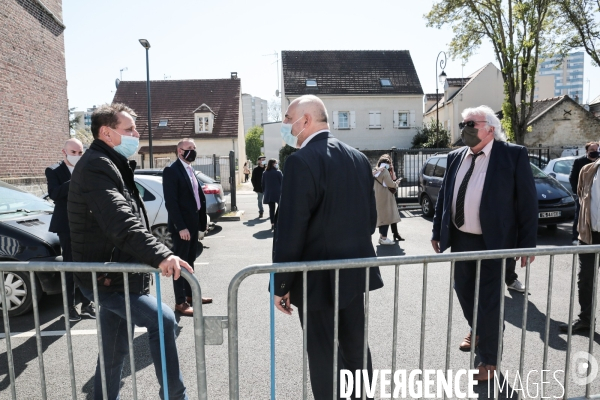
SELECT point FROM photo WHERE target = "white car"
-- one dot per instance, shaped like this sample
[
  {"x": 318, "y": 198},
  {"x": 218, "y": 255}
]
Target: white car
[
  {"x": 560, "y": 169},
  {"x": 151, "y": 191}
]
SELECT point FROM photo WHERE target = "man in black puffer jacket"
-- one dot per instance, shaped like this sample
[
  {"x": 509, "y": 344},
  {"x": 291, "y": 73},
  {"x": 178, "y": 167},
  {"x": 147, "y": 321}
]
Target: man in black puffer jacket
[{"x": 108, "y": 222}]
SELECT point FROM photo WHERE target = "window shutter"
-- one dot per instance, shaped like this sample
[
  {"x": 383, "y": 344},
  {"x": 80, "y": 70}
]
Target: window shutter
[
  {"x": 378, "y": 119},
  {"x": 412, "y": 118},
  {"x": 335, "y": 120},
  {"x": 352, "y": 119},
  {"x": 396, "y": 122},
  {"x": 372, "y": 121}
]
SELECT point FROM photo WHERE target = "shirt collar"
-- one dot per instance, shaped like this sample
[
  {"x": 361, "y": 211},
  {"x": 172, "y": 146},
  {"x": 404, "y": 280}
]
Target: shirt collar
[
  {"x": 308, "y": 139},
  {"x": 185, "y": 165},
  {"x": 486, "y": 150}
]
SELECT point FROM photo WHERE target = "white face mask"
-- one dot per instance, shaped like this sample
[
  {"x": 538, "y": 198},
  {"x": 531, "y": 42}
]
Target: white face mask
[
  {"x": 276, "y": 165},
  {"x": 384, "y": 165},
  {"x": 264, "y": 162},
  {"x": 73, "y": 159}
]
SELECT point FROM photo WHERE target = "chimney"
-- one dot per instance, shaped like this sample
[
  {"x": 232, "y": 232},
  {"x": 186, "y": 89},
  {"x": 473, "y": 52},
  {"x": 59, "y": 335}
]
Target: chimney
[{"x": 234, "y": 75}]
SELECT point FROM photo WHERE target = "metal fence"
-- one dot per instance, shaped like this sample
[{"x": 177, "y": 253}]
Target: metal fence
[
  {"x": 397, "y": 262},
  {"x": 539, "y": 156},
  {"x": 93, "y": 268}
]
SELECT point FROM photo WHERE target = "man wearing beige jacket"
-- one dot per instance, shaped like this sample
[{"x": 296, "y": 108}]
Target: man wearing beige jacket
[{"x": 588, "y": 190}]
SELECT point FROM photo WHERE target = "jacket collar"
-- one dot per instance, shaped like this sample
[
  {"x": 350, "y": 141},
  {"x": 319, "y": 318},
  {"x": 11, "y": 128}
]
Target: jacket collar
[
  {"x": 120, "y": 162},
  {"x": 182, "y": 170}
]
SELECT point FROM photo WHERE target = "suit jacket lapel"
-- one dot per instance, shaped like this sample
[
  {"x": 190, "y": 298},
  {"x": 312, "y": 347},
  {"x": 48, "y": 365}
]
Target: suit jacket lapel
[
  {"x": 491, "y": 168},
  {"x": 186, "y": 175},
  {"x": 65, "y": 174},
  {"x": 454, "y": 170}
]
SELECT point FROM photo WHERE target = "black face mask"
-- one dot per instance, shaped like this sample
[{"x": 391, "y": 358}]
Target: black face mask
[
  {"x": 189, "y": 155},
  {"x": 469, "y": 136},
  {"x": 593, "y": 154}
]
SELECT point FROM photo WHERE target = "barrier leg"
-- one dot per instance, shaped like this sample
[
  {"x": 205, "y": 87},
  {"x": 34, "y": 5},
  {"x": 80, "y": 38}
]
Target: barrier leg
[
  {"x": 272, "y": 316},
  {"x": 161, "y": 333}
]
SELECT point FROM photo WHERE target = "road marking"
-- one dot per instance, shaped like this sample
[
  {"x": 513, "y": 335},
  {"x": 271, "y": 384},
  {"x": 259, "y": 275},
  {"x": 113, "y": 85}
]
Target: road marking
[
  {"x": 213, "y": 237},
  {"x": 200, "y": 263},
  {"x": 74, "y": 332}
]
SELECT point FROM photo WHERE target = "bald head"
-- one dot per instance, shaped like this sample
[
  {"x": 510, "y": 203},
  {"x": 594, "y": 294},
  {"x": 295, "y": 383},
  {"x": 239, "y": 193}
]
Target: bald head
[
  {"x": 308, "y": 115},
  {"x": 72, "y": 150}
]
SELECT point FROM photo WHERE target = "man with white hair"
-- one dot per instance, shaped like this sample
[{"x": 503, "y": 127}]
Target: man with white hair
[
  {"x": 487, "y": 201},
  {"x": 325, "y": 182}
]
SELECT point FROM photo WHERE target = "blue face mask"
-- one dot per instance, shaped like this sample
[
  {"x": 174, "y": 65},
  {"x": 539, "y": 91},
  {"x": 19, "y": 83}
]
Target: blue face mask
[
  {"x": 287, "y": 135},
  {"x": 128, "y": 146}
]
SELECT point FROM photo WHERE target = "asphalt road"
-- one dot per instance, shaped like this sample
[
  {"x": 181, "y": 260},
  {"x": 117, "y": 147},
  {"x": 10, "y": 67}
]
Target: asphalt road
[{"x": 235, "y": 245}]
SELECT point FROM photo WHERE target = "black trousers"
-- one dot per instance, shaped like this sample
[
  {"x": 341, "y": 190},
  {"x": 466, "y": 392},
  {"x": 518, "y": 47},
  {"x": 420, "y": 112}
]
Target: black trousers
[
  {"x": 72, "y": 290},
  {"x": 490, "y": 287},
  {"x": 585, "y": 280},
  {"x": 186, "y": 250},
  {"x": 576, "y": 220},
  {"x": 272, "y": 209},
  {"x": 320, "y": 346}
]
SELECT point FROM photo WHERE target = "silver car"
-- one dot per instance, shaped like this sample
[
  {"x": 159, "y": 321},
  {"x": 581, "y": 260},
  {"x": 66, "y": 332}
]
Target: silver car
[
  {"x": 151, "y": 192},
  {"x": 560, "y": 169}
]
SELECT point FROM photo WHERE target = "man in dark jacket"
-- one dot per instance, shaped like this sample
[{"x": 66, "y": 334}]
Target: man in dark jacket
[
  {"x": 59, "y": 178},
  {"x": 327, "y": 192},
  {"x": 186, "y": 205},
  {"x": 257, "y": 182},
  {"x": 591, "y": 155},
  {"x": 108, "y": 223}
]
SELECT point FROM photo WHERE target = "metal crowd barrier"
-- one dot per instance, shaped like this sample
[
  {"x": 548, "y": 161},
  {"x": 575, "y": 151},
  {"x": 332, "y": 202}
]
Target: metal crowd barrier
[
  {"x": 93, "y": 268},
  {"x": 398, "y": 261}
]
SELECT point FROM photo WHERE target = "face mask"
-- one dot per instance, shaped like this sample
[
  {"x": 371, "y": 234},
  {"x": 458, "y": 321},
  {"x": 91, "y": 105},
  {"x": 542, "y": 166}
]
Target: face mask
[
  {"x": 73, "y": 159},
  {"x": 189, "y": 155},
  {"x": 384, "y": 165},
  {"x": 263, "y": 162},
  {"x": 287, "y": 135},
  {"x": 128, "y": 146},
  {"x": 591, "y": 154},
  {"x": 276, "y": 166},
  {"x": 469, "y": 136}
]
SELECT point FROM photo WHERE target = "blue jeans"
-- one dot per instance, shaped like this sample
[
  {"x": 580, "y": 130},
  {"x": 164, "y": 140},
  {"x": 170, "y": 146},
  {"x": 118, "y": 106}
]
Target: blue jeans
[
  {"x": 144, "y": 313},
  {"x": 260, "y": 200}
]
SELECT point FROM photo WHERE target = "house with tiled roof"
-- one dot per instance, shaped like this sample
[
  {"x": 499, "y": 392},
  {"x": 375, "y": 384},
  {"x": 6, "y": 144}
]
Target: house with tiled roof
[
  {"x": 483, "y": 87},
  {"x": 207, "y": 110},
  {"x": 595, "y": 107},
  {"x": 373, "y": 98},
  {"x": 559, "y": 122}
]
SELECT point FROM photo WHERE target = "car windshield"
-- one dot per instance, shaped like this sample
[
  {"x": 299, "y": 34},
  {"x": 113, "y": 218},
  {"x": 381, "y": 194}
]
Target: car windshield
[
  {"x": 537, "y": 173},
  {"x": 563, "y": 167},
  {"x": 13, "y": 200}
]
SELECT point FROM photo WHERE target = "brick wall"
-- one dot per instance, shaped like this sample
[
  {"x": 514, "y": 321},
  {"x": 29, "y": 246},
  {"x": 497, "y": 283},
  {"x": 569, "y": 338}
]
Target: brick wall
[
  {"x": 566, "y": 124},
  {"x": 33, "y": 88}
]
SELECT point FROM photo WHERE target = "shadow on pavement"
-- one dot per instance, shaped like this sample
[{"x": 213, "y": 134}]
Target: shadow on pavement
[
  {"x": 255, "y": 221},
  {"x": 266, "y": 234},
  {"x": 388, "y": 251}
]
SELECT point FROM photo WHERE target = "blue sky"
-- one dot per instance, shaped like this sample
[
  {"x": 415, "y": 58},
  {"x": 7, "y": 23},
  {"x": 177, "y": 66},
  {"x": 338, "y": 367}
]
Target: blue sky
[{"x": 209, "y": 39}]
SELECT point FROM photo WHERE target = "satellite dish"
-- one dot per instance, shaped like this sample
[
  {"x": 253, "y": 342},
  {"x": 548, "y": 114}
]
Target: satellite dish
[
  {"x": 277, "y": 93},
  {"x": 117, "y": 81}
]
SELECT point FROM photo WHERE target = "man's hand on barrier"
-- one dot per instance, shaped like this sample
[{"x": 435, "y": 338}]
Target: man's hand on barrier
[
  {"x": 283, "y": 303},
  {"x": 436, "y": 245},
  {"x": 171, "y": 266},
  {"x": 524, "y": 260}
]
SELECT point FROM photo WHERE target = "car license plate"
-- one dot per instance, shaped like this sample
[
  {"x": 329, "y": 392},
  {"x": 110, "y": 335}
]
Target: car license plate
[{"x": 549, "y": 214}]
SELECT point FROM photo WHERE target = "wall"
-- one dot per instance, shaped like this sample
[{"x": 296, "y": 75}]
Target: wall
[
  {"x": 33, "y": 88},
  {"x": 555, "y": 129},
  {"x": 364, "y": 138},
  {"x": 272, "y": 140}
]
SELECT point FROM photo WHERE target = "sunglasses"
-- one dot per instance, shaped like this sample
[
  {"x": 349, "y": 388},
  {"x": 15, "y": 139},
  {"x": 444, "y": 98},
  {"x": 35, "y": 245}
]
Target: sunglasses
[{"x": 470, "y": 124}]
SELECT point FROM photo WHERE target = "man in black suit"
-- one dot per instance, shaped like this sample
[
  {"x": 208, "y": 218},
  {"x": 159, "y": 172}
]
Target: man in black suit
[
  {"x": 591, "y": 155},
  {"x": 487, "y": 201},
  {"x": 256, "y": 180},
  {"x": 186, "y": 206},
  {"x": 59, "y": 178},
  {"x": 327, "y": 211}
]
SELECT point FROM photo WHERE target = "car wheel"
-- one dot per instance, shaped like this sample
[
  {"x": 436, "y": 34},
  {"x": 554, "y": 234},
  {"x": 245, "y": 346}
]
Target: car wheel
[
  {"x": 161, "y": 232},
  {"x": 426, "y": 206},
  {"x": 17, "y": 287},
  {"x": 552, "y": 227}
]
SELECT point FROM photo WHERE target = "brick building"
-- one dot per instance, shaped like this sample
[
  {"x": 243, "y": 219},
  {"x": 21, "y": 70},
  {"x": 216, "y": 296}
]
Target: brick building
[
  {"x": 33, "y": 90},
  {"x": 560, "y": 122}
]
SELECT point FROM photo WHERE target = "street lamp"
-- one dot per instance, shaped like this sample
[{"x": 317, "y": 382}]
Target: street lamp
[
  {"x": 442, "y": 79},
  {"x": 146, "y": 45}
]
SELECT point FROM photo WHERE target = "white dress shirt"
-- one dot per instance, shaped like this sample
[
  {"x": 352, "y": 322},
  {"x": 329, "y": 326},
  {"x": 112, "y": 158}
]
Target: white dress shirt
[
  {"x": 595, "y": 204},
  {"x": 308, "y": 139}
]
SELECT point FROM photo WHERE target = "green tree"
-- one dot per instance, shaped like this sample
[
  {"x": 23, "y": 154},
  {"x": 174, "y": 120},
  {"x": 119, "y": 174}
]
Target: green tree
[
  {"x": 254, "y": 143},
  {"x": 84, "y": 135},
  {"x": 519, "y": 31},
  {"x": 428, "y": 137},
  {"x": 580, "y": 19},
  {"x": 73, "y": 120},
  {"x": 284, "y": 153}
]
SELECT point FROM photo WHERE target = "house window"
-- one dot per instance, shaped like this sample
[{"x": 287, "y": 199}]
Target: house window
[
  {"x": 311, "y": 83},
  {"x": 385, "y": 82},
  {"x": 403, "y": 119},
  {"x": 203, "y": 124},
  {"x": 374, "y": 119},
  {"x": 163, "y": 123},
  {"x": 343, "y": 120}
]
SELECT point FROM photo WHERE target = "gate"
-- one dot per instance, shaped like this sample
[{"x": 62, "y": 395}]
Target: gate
[{"x": 216, "y": 167}]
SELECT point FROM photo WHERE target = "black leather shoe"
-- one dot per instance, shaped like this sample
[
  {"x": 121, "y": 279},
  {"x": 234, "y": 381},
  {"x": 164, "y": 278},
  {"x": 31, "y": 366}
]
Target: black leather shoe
[{"x": 578, "y": 326}]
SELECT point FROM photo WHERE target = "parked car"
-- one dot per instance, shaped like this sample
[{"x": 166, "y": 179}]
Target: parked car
[
  {"x": 151, "y": 192},
  {"x": 215, "y": 202},
  {"x": 24, "y": 236},
  {"x": 560, "y": 169},
  {"x": 555, "y": 203}
]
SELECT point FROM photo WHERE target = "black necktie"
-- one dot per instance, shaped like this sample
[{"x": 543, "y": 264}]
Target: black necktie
[{"x": 459, "y": 219}]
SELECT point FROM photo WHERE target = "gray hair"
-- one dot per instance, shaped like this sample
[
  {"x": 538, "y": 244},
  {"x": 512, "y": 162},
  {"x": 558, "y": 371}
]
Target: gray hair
[{"x": 490, "y": 118}]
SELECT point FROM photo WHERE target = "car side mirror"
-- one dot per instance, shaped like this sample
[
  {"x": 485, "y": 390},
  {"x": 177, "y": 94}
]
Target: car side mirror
[{"x": 552, "y": 174}]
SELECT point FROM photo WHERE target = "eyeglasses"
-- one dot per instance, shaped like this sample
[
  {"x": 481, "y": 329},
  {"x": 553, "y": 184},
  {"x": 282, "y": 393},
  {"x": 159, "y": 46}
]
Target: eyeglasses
[{"x": 470, "y": 124}]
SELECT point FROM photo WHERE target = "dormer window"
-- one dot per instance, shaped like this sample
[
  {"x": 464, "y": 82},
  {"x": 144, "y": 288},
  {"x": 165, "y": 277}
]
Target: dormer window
[
  {"x": 203, "y": 124},
  {"x": 204, "y": 119},
  {"x": 163, "y": 123},
  {"x": 311, "y": 83},
  {"x": 385, "y": 82}
]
